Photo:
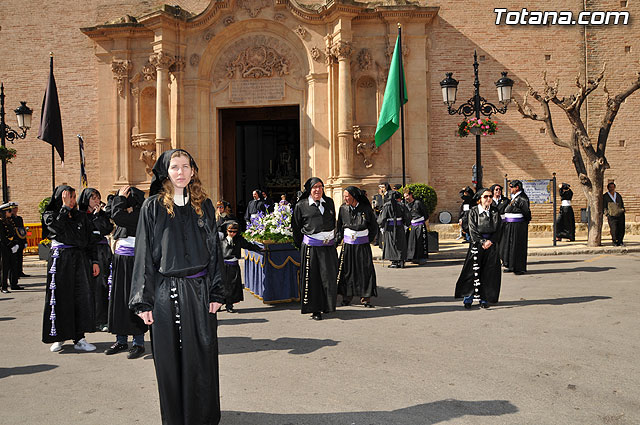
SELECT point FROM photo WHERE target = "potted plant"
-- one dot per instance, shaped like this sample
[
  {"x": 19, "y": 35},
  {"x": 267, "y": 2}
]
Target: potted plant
[{"x": 484, "y": 127}]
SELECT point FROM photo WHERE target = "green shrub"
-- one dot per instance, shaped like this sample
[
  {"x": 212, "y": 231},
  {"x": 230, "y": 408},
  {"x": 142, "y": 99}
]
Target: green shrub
[
  {"x": 426, "y": 194},
  {"x": 42, "y": 205}
]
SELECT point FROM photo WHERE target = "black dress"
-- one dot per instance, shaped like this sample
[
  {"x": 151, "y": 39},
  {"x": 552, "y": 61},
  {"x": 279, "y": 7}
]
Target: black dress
[
  {"x": 231, "y": 278},
  {"x": 481, "y": 274},
  {"x": 566, "y": 222},
  {"x": 123, "y": 321},
  {"x": 356, "y": 274},
  {"x": 417, "y": 242},
  {"x": 392, "y": 220},
  {"x": 68, "y": 307},
  {"x": 102, "y": 227},
  {"x": 318, "y": 264},
  {"x": 177, "y": 273},
  {"x": 515, "y": 234}
]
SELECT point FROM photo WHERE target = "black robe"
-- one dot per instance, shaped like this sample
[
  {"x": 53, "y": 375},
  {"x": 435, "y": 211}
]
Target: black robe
[
  {"x": 356, "y": 274},
  {"x": 231, "y": 278},
  {"x": 73, "y": 301},
  {"x": 318, "y": 264},
  {"x": 481, "y": 274},
  {"x": 615, "y": 215},
  {"x": 255, "y": 206},
  {"x": 102, "y": 226},
  {"x": 394, "y": 238},
  {"x": 566, "y": 222},
  {"x": 184, "y": 333},
  {"x": 417, "y": 242},
  {"x": 123, "y": 321},
  {"x": 513, "y": 249}
]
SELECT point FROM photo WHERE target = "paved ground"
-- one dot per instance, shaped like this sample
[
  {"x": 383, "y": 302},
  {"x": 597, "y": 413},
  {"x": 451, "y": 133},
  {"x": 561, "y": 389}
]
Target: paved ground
[{"x": 561, "y": 347}]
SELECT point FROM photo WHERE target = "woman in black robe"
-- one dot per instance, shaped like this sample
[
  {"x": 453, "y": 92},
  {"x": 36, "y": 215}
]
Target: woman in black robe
[
  {"x": 357, "y": 228},
  {"x": 90, "y": 203},
  {"x": 417, "y": 242},
  {"x": 566, "y": 221},
  {"x": 177, "y": 287},
  {"x": 500, "y": 202},
  {"x": 392, "y": 220},
  {"x": 513, "y": 249},
  {"x": 481, "y": 275},
  {"x": 68, "y": 308},
  {"x": 125, "y": 212},
  {"x": 314, "y": 223},
  {"x": 232, "y": 242}
]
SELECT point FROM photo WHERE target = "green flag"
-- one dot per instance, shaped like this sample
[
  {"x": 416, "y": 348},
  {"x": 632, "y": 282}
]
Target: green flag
[{"x": 389, "y": 120}]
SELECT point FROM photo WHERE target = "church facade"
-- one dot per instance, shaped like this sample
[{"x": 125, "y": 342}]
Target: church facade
[{"x": 267, "y": 93}]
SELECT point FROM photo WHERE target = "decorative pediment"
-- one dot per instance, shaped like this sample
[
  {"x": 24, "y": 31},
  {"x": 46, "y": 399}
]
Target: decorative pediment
[{"x": 258, "y": 62}]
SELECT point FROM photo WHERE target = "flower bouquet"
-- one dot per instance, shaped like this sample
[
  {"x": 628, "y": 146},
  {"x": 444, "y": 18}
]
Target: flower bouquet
[
  {"x": 484, "y": 127},
  {"x": 273, "y": 227}
]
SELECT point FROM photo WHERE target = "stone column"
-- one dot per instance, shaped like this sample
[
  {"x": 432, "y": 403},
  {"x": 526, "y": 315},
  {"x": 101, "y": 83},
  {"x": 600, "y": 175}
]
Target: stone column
[
  {"x": 120, "y": 69},
  {"x": 342, "y": 50},
  {"x": 162, "y": 62}
]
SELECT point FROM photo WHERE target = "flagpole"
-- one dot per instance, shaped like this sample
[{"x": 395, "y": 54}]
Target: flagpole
[
  {"x": 404, "y": 182},
  {"x": 53, "y": 170}
]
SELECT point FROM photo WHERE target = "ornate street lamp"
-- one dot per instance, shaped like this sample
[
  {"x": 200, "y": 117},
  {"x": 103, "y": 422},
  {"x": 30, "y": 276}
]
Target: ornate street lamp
[
  {"x": 23, "y": 114},
  {"x": 476, "y": 105}
]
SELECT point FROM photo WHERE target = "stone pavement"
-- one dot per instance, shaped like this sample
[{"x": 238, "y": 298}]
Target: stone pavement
[{"x": 561, "y": 347}]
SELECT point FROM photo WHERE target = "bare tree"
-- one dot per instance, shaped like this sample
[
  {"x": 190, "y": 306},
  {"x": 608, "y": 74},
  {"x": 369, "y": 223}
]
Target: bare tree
[{"x": 588, "y": 157}]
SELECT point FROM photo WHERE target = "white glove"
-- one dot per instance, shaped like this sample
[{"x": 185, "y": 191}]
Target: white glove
[{"x": 14, "y": 248}]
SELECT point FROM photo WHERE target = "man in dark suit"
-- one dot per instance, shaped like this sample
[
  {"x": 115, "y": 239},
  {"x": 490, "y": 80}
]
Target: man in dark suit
[{"x": 613, "y": 208}]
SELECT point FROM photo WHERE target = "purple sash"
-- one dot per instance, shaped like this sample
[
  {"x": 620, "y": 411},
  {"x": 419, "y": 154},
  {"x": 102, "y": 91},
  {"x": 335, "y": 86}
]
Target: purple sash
[
  {"x": 315, "y": 242},
  {"x": 103, "y": 241},
  {"x": 513, "y": 219},
  {"x": 357, "y": 241},
  {"x": 63, "y": 246},
  {"x": 487, "y": 235},
  {"x": 417, "y": 223},
  {"x": 231, "y": 262},
  {"x": 201, "y": 273},
  {"x": 125, "y": 251}
]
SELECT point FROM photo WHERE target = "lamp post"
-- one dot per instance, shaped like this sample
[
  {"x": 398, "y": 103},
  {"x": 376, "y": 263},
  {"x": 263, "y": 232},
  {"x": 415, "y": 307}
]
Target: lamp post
[
  {"x": 23, "y": 114},
  {"x": 476, "y": 105}
]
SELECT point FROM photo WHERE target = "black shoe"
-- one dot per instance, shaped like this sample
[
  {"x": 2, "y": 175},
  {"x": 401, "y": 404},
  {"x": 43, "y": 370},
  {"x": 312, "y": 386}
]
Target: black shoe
[
  {"x": 5, "y": 291},
  {"x": 519, "y": 272},
  {"x": 24, "y": 275},
  {"x": 229, "y": 308},
  {"x": 316, "y": 316},
  {"x": 135, "y": 352},
  {"x": 367, "y": 305},
  {"x": 345, "y": 303},
  {"x": 484, "y": 304},
  {"x": 17, "y": 288},
  {"x": 467, "y": 306},
  {"x": 116, "y": 348}
]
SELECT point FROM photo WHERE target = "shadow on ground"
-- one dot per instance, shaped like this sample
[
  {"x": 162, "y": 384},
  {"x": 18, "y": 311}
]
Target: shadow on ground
[
  {"x": 573, "y": 270},
  {"x": 25, "y": 370},
  {"x": 222, "y": 320},
  {"x": 241, "y": 344},
  {"x": 424, "y": 414}
]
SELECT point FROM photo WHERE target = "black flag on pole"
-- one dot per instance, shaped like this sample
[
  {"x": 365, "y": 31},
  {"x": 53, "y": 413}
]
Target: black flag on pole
[{"x": 50, "y": 121}]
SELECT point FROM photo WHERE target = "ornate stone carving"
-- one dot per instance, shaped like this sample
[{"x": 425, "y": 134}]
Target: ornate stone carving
[
  {"x": 253, "y": 7},
  {"x": 258, "y": 56},
  {"x": 328, "y": 42},
  {"x": 120, "y": 69},
  {"x": 178, "y": 64},
  {"x": 365, "y": 143},
  {"x": 149, "y": 72},
  {"x": 161, "y": 60},
  {"x": 208, "y": 35},
  {"x": 258, "y": 62},
  {"x": 366, "y": 83},
  {"x": 147, "y": 143},
  {"x": 301, "y": 31},
  {"x": 317, "y": 54},
  {"x": 280, "y": 17},
  {"x": 342, "y": 50},
  {"x": 365, "y": 60},
  {"x": 194, "y": 60},
  {"x": 228, "y": 20}
]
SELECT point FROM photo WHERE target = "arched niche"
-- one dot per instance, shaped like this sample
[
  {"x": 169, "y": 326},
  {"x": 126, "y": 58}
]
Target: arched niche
[{"x": 366, "y": 101}]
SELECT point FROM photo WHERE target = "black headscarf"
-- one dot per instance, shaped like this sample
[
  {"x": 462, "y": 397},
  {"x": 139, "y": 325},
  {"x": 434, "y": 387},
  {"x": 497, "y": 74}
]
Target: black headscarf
[
  {"x": 85, "y": 196},
  {"x": 469, "y": 197},
  {"x": 135, "y": 198},
  {"x": 161, "y": 169},
  {"x": 478, "y": 195},
  {"x": 309, "y": 184},
  {"x": 493, "y": 187},
  {"x": 358, "y": 195},
  {"x": 55, "y": 204}
]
